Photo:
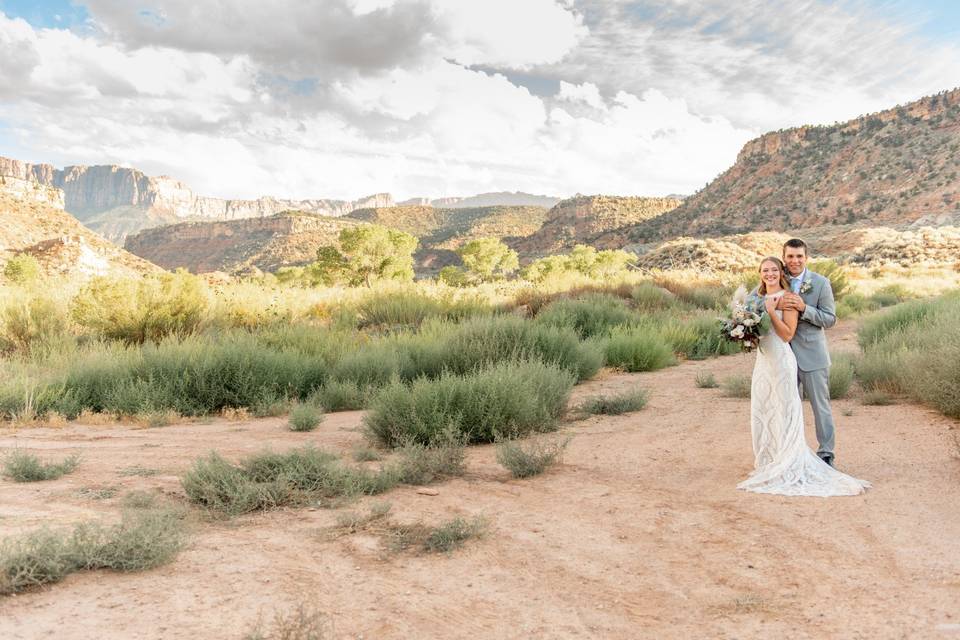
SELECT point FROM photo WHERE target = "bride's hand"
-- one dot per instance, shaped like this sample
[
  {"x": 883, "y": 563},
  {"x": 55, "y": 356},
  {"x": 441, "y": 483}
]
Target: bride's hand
[{"x": 770, "y": 304}]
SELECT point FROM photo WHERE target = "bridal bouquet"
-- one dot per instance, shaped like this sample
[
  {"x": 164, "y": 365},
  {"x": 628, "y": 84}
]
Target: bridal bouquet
[{"x": 747, "y": 321}]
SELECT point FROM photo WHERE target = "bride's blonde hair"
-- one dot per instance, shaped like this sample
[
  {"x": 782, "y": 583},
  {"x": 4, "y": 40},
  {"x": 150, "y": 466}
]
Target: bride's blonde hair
[{"x": 784, "y": 283}]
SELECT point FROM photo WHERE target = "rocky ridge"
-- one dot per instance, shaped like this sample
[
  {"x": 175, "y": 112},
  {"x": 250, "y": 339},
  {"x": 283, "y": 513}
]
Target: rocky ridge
[
  {"x": 62, "y": 245},
  {"x": 898, "y": 167},
  {"x": 266, "y": 243}
]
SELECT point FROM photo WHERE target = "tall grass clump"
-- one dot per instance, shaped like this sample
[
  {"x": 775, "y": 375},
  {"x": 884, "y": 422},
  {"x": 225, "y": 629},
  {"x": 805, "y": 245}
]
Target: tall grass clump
[
  {"x": 614, "y": 405},
  {"x": 507, "y": 398},
  {"x": 915, "y": 349},
  {"x": 737, "y": 386},
  {"x": 21, "y": 466},
  {"x": 532, "y": 458},
  {"x": 841, "y": 376},
  {"x": 410, "y": 308},
  {"x": 143, "y": 539},
  {"x": 589, "y": 315},
  {"x": 706, "y": 380},
  {"x": 641, "y": 348}
]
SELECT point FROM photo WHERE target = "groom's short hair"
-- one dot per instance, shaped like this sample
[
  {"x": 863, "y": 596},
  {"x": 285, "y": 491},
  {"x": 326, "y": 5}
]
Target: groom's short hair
[{"x": 796, "y": 243}]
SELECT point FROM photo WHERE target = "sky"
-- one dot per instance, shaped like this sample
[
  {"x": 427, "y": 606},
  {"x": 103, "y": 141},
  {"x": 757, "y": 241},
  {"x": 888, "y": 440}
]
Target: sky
[{"x": 433, "y": 98}]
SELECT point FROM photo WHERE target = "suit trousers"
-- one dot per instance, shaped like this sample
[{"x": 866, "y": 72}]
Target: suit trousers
[{"x": 817, "y": 385}]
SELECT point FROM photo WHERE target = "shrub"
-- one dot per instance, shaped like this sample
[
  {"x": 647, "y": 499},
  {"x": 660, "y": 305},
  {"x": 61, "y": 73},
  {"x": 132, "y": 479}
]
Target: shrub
[
  {"x": 841, "y": 376},
  {"x": 877, "y": 398},
  {"x": 614, "y": 405},
  {"x": 590, "y": 315},
  {"x": 20, "y": 466},
  {"x": 142, "y": 540},
  {"x": 304, "y": 623},
  {"x": 305, "y": 417},
  {"x": 218, "y": 485},
  {"x": 33, "y": 323},
  {"x": 839, "y": 281},
  {"x": 736, "y": 386},
  {"x": 365, "y": 454},
  {"x": 639, "y": 348},
  {"x": 148, "y": 308},
  {"x": 22, "y": 269},
  {"x": 446, "y": 537},
  {"x": 706, "y": 380},
  {"x": 532, "y": 459},
  {"x": 267, "y": 480},
  {"x": 341, "y": 395},
  {"x": 507, "y": 398},
  {"x": 397, "y": 309},
  {"x": 890, "y": 295},
  {"x": 900, "y": 318},
  {"x": 423, "y": 464},
  {"x": 649, "y": 297}
]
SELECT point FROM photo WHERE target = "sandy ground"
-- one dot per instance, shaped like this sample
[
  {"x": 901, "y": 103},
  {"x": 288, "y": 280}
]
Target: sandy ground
[{"x": 640, "y": 533}]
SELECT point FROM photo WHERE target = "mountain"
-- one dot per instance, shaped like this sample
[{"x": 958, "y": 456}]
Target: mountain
[
  {"x": 897, "y": 167},
  {"x": 267, "y": 243},
  {"x": 584, "y": 219},
  {"x": 116, "y": 201},
  {"x": 494, "y": 199},
  {"x": 32, "y": 221},
  {"x": 292, "y": 238}
]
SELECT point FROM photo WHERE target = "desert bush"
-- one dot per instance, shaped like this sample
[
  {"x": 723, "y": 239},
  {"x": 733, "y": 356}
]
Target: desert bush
[
  {"x": 890, "y": 295},
  {"x": 529, "y": 459},
  {"x": 710, "y": 296},
  {"x": 878, "y": 327},
  {"x": 877, "y": 398},
  {"x": 841, "y": 376},
  {"x": 706, "y": 380},
  {"x": 22, "y": 269},
  {"x": 640, "y": 348},
  {"x": 305, "y": 417},
  {"x": 507, "y": 398},
  {"x": 486, "y": 341},
  {"x": 339, "y": 395},
  {"x": 142, "y": 540},
  {"x": 649, "y": 297},
  {"x": 616, "y": 404},
  {"x": 446, "y": 537},
  {"x": 303, "y": 623},
  {"x": 736, "y": 386},
  {"x": 590, "y": 315},
  {"x": 21, "y": 466},
  {"x": 361, "y": 453},
  {"x": 214, "y": 483},
  {"x": 137, "y": 310},
  {"x": 422, "y": 464},
  {"x": 32, "y": 323},
  {"x": 839, "y": 281},
  {"x": 914, "y": 349},
  {"x": 694, "y": 338}
]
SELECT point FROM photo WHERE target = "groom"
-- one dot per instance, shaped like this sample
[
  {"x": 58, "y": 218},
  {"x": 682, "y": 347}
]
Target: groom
[{"x": 812, "y": 296}]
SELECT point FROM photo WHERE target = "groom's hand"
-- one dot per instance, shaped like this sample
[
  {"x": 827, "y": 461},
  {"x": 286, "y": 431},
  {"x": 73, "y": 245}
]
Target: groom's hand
[{"x": 793, "y": 301}]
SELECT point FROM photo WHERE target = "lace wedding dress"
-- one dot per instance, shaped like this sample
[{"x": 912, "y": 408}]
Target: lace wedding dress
[{"x": 784, "y": 463}]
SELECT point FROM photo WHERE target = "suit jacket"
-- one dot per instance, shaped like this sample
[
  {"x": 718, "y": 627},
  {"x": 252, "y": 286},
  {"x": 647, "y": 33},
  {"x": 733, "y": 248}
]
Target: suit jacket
[{"x": 809, "y": 342}]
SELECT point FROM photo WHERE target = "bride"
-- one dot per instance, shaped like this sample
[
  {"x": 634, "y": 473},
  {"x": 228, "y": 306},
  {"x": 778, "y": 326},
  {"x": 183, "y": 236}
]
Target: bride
[{"x": 784, "y": 463}]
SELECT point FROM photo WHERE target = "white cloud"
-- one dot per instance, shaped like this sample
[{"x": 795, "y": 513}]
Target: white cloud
[{"x": 349, "y": 97}]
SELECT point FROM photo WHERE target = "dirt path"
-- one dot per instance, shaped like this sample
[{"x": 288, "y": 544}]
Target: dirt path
[{"x": 639, "y": 534}]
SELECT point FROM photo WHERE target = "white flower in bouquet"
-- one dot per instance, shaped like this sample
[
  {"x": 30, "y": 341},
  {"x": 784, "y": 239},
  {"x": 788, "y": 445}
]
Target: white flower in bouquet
[{"x": 737, "y": 332}]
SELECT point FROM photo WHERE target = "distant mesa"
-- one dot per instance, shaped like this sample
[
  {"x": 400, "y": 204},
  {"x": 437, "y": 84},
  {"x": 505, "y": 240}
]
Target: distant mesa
[
  {"x": 116, "y": 201},
  {"x": 493, "y": 199}
]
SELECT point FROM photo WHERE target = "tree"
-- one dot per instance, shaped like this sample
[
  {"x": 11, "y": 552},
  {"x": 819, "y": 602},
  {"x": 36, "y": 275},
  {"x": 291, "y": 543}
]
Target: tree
[
  {"x": 374, "y": 253},
  {"x": 611, "y": 262},
  {"x": 544, "y": 268},
  {"x": 453, "y": 276},
  {"x": 488, "y": 258}
]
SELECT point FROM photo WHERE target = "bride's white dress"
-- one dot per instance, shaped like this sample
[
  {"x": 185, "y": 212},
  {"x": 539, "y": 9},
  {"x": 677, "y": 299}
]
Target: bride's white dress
[{"x": 784, "y": 463}]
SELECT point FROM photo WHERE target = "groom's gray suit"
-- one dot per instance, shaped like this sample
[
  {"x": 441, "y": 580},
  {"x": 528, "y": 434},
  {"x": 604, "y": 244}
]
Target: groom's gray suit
[{"x": 809, "y": 344}]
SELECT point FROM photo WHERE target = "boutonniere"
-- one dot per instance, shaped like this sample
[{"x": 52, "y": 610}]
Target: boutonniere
[{"x": 805, "y": 286}]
